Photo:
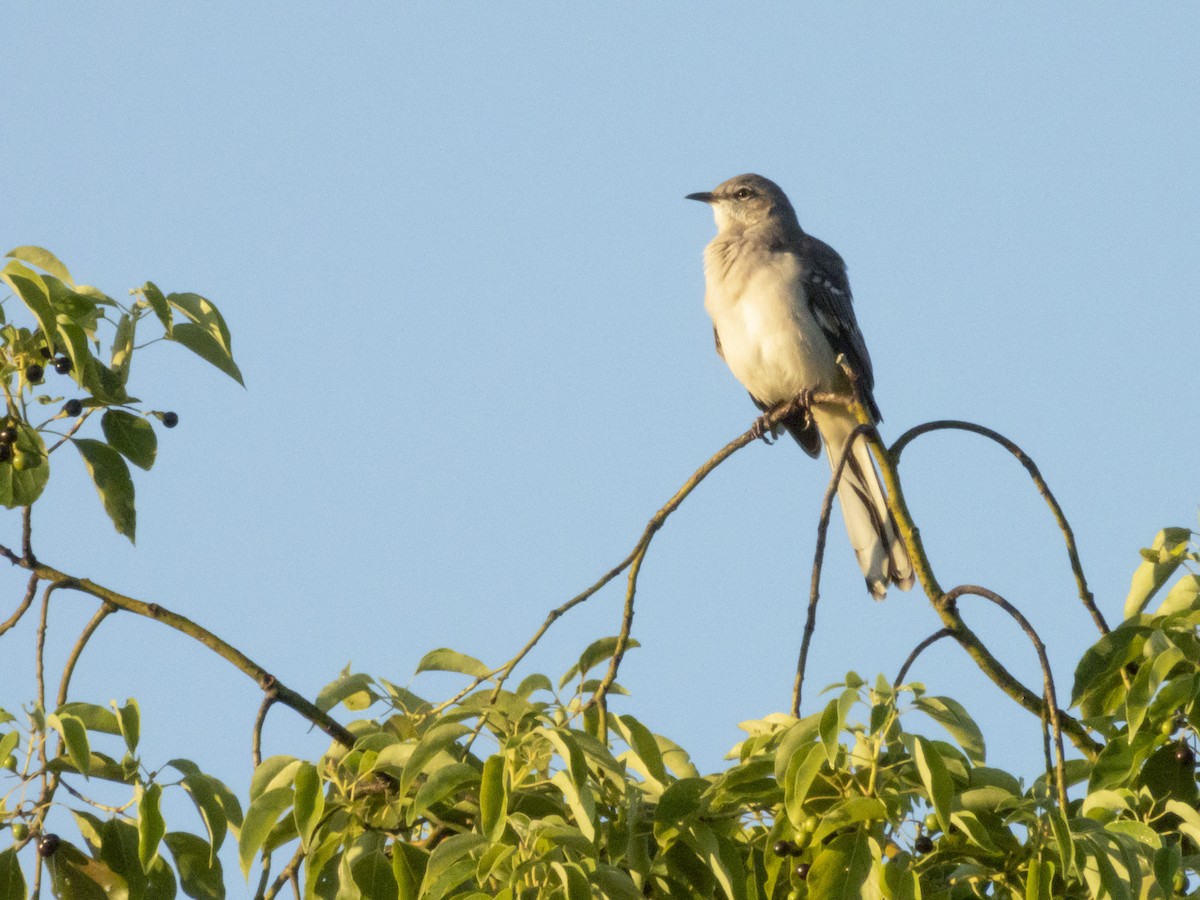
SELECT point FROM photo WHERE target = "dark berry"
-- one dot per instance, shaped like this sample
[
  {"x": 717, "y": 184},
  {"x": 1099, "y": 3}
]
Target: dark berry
[
  {"x": 783, "y": 848},
  {"x": 1184, "y": 755},
  {"x": 5, "y": 453},
  {"x": 34, "y": 372},
  {"x": 923, "y": 844},
  {"x": 802, "y": 871},
  {"x": 48, "y": 844},
  {"x": 62, "y": 365},
  {"x": 8, "y": 434},
  {"x": 170, "y": 419},
  {"x": 46, "y": 352},
  {"x": 72, "y": 408}
]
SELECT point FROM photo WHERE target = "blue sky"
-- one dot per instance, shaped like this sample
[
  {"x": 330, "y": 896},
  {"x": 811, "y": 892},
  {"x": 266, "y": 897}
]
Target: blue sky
[{"x": 466, "y": 295}]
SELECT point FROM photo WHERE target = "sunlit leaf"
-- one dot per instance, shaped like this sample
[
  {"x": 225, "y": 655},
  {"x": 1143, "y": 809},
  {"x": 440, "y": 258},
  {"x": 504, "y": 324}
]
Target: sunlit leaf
[
  {"x": 207, "y": 347},
  {"x": 113, "y": 484},
  {"x": 447, "y": 660},
  {"x": 43, "y": 259}
]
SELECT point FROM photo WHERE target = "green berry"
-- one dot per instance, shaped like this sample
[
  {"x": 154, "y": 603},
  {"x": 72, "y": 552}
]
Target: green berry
[
  {"x": 810, "y": 824},
  {"x": 34, "y": 373},
  {"x": 1168, "y": 728},
  {"x": 22, "y": 461},
  {"x": 20, "y": 831},
  {"x": 932, "y": 823},
  {"x": 170, "y": 419},
  {"x": 10, "y": 763}
]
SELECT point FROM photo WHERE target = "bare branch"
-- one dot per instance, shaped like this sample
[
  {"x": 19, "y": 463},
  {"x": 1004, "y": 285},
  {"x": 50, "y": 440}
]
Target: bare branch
[
  {"x": 106, "y": 609},
  {"x": 810, "y": 622},
  {"x": 26, "y": 601},
  {"x": 918, "y": 650},
  {"x": 1051, "y": 707},
  {"x": 1085, "y": 595}
]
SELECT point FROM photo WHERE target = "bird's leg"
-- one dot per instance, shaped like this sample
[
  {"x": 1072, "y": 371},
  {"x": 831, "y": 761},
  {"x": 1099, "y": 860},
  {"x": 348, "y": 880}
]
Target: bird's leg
[{"x": 802, "y": 402}]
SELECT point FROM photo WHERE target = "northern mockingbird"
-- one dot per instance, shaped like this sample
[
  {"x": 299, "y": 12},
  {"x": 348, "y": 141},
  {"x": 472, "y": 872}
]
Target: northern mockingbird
[{"x": 782, "y": 315}]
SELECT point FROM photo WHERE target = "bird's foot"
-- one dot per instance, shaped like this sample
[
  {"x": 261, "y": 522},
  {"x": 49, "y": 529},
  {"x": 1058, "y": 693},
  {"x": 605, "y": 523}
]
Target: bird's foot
[
  {"x": 761, "y": 429},
  {"x": 801, "y": 403}
]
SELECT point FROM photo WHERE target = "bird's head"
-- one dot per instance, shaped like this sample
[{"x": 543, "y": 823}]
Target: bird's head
[{"x": 747, "y": 201}]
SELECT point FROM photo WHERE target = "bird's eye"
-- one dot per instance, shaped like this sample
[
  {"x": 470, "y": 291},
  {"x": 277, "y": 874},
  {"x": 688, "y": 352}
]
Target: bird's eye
[{"x": 744, "y": 193}]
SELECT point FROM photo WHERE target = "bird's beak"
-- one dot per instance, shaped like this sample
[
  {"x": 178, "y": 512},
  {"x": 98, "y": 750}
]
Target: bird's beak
[{"x": 703, "y": 197}]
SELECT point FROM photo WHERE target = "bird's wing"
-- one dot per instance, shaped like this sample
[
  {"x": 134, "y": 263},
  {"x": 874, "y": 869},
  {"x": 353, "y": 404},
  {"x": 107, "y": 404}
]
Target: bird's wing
[{"x": 828, "y": 291}]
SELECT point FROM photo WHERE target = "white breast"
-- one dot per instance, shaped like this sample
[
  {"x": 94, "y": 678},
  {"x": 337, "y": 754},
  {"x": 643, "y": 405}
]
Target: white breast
[{"x": 768, "y": 335}]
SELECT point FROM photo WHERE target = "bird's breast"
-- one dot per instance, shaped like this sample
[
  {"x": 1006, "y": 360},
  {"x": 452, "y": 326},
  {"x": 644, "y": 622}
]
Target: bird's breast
[{"x": 768, "y": 335}]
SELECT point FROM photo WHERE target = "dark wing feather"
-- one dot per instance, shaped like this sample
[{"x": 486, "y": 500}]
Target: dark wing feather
[{"x": 828, "y": 291}]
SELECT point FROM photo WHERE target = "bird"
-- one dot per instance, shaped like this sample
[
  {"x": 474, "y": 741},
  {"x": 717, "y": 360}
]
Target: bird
[{"x": 783, "y": 320}]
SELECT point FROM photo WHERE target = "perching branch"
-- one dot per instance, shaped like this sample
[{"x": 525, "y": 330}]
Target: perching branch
[{"x": 26, "y": 601}]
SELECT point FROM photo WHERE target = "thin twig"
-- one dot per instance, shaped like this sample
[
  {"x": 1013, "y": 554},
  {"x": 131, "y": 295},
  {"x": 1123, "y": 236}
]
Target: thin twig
[
  {"x": 814, "y": 588},
  {"x": 106, "y": 609},
  {"x": 1051, "y": 705},
  {"x": 26, "y": 602},
  {"x": 286, "y": 874},
  {"x": 918, "y": 650},
  {"x": 256, "y": 735},
  {"x": 1085, "y": 595},
  {"x": 74, "y": 428}
]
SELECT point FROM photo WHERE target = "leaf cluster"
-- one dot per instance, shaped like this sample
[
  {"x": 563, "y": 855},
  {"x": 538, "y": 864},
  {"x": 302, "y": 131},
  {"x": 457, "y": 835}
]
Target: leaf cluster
[{"x": 69, "y": 327}]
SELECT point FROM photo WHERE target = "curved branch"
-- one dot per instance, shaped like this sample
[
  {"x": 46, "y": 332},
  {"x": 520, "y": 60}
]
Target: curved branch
[
  {"x": 1085, "y": 595},
  {"x": 106, "y": 609},
  {"x": 810, "y": 622},
  {"x": 918, "y": 650},
  {"x": 26, "y": 601},
  {"x": 259, "y": 721},
  {"x": 947, "y": 610},
  {"x": 1051, "y": 707},
  {"x": 229, "y": 653}
]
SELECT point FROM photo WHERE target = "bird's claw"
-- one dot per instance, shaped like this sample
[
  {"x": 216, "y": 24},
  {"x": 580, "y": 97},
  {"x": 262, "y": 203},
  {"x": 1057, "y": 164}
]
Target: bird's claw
[{"x": 761, "y": 429}]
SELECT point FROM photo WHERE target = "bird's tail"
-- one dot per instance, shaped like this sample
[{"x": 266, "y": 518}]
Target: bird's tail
[{"x": 872, "y": 529}]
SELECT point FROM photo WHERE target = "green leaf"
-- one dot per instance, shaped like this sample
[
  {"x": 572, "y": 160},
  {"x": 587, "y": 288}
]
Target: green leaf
[
  {"x": 372, "y": 874},
  {"x": 1163, "y": 657},
  {"x": 43, "y": 259},
  {"x": 206, "y": 798},
  {"x": 345, "y": 690},
  {"x": 1041, "y": 877},
  {"x": 207, "y": 347},
  {"x": 200, "y": 873},
  {"x": 159, "y": 304},
  {"x": 74, "y": 735},
  {"x": 261, "y": 817},
  {"x": 936, "y": 779},
  {"x": 113, "y": 484},
  {"x": 840, "y": 870},
  {"x": 129, "y": 718},
  {"x": 1107, "y": 656},
  {"x": 309, "y": 802},
  {"x": 30, "y": 287},
  {"x": 432, "y": 742},
  {"x": 952, "y": 716},
  {"x": 493, "y": 799},
  {"x": 1184, "y": 596},
  {"x": 573, "y": 880},
  {"x": 1158, "y": 564},
  {"x": 644, "y": 746},
  {"x": 81, "y": 877},
  {"x": 408, "y": 866},
  {"x": 441, "y": 874},
  {"x": 801, "y": 772},
  {"x": 12, "y": 880},
  {"x": 150, "y": 825},
  {"x": 8, "y": 743},
  {"x": 441, "y": 784},
  {"x": 446, "y": 660},
  {"x": 93, "y": 717},
  {"x": 205, "y": 314},
  {"x": 132, "y": 436},
  {"x": 74, "y": 340},
  {"x": 21, "y": 487},
  {"x": 833, "y": 720},
  {"x": 122, "y": 346}
]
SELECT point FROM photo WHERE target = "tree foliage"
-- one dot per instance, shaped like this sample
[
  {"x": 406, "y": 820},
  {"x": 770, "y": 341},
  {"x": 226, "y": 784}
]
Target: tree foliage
[{"x": 543, "y": 789}]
